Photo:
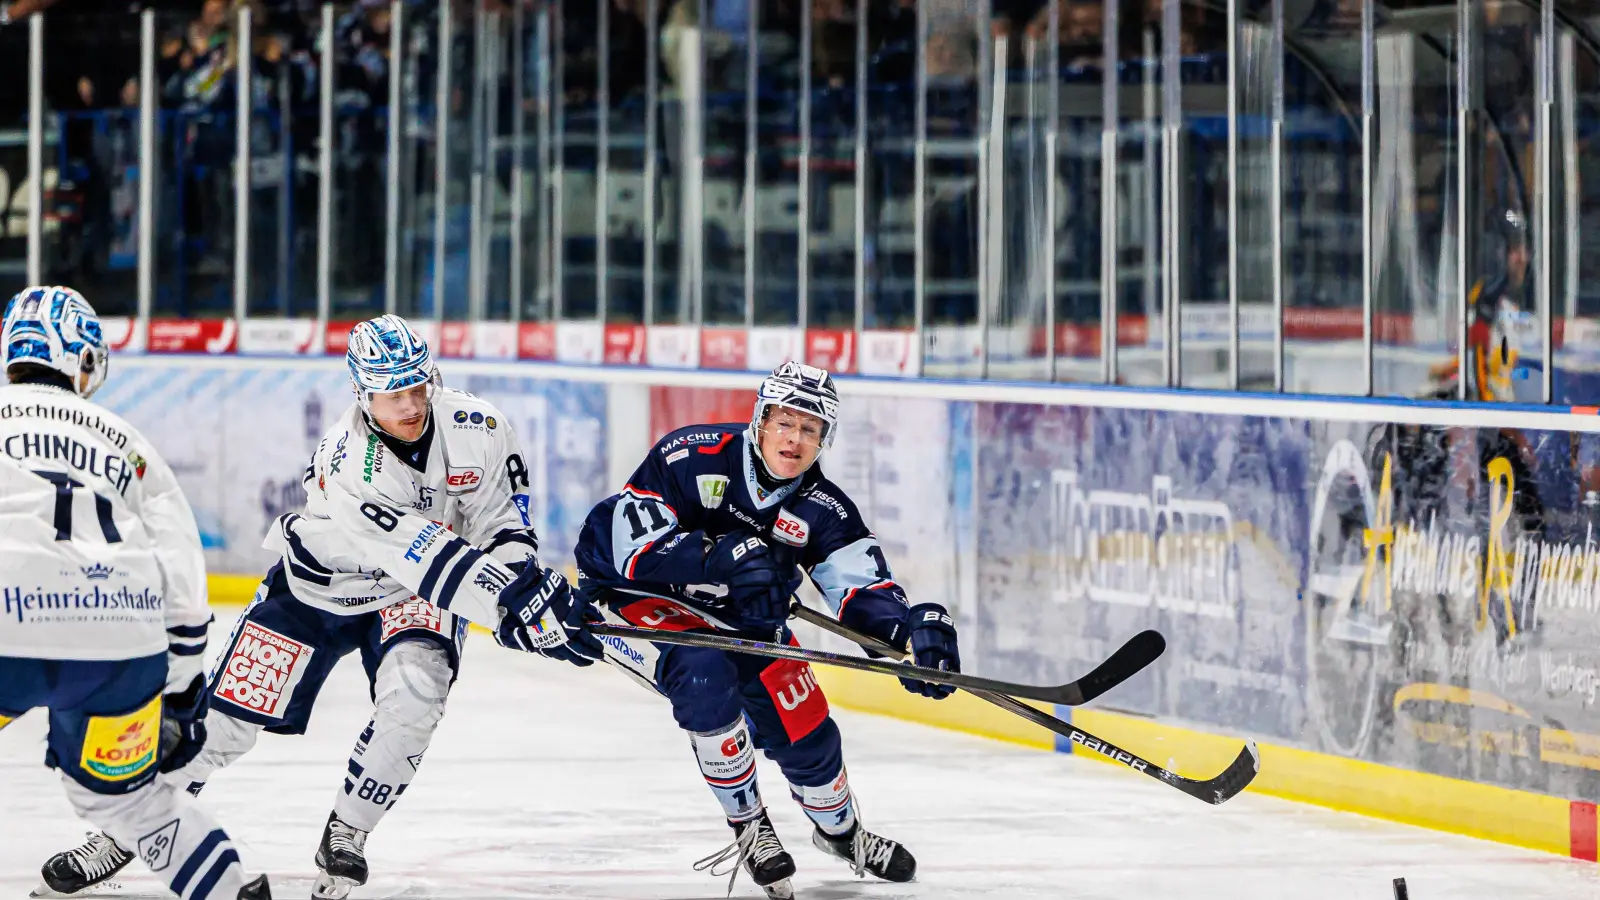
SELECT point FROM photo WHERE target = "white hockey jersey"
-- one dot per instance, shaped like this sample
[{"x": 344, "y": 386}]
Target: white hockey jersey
[
  {"x": 99, "y": 553},
  {"x": 377, "y": 531}
]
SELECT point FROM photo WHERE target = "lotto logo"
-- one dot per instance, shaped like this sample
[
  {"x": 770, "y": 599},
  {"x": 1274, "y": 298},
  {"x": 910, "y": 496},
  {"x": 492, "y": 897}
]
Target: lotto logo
[
  {"x": 262, "y": 671},
  {"x": 117, "y": 748},
  {"x": 412, "y": 614}
]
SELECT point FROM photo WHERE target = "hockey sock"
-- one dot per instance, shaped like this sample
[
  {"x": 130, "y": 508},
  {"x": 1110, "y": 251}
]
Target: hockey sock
[
  {"x": 728, "y": 762},
  {"x": 409, "y": 695},
  {"x": 172, "y": 834},
  {"x": 830, "y": 806}
]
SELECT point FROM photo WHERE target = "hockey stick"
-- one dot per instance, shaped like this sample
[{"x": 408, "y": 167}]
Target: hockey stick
[
  {"x": 1216, "y": 790},
  {"x": 1130, "y": 657}
]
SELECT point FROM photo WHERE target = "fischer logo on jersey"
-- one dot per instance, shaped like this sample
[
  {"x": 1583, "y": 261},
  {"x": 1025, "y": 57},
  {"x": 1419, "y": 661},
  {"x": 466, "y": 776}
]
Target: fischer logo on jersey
[
  {"x": 412, "y": 614},
  {"x": 262, "y": 670},
  {"x": 84, "y": 458}
]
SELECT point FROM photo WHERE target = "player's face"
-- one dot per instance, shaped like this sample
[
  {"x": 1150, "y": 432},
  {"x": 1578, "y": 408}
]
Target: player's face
[
  {"x": 790, "y": 441},
  {"x": 403, "y": 414}
]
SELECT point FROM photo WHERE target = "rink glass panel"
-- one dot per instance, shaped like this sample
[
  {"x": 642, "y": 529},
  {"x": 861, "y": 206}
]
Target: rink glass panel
[
  {"x": 360, "y": 170},
  {"x": 91, "y": 157}
]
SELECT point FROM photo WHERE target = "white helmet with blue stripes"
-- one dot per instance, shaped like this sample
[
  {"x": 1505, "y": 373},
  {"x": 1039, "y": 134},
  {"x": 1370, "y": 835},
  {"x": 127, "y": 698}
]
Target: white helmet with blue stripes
[
  {"x": 387, "y": 355},
  {"x": 56, "y": 328}
]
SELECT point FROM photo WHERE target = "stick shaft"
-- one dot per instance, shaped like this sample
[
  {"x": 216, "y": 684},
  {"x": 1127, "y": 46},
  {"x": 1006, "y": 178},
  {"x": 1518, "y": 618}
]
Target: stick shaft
[{"x": 1209, "y": 791}]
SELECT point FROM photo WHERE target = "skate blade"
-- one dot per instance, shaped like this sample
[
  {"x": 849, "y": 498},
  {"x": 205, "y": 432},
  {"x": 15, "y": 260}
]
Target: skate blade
[
  {"x": 779, "y": 890},
  {"x": 93, "y": 890},
  {"x": 329, "y": 887}
]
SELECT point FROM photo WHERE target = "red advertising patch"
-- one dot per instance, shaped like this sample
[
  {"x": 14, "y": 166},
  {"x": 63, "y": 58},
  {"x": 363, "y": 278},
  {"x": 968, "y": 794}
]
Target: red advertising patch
[
  {"x": 663, "y": 614},
  {"x": 797, "y": 696}
]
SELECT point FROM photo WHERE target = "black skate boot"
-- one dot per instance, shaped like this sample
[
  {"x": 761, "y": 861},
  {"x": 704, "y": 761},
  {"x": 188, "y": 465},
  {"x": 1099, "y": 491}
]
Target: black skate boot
[
  {"x": 868, "y": 853},
  {"x": 341, "y": 859},
  {"x": 256, "y": 890},
  {"x": 756, "y": 846},
  {"x": 84, "y": 866}
]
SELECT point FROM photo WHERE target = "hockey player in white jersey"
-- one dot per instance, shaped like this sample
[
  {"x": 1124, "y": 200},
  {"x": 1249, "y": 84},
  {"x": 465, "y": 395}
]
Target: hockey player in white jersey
[
  {"x": 105, "y": 616},
  {"x": 416, "y": 522}
]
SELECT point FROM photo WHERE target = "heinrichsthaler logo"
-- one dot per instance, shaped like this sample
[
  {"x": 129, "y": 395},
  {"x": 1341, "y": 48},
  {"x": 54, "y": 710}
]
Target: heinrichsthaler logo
[{"x": 25, "y": 604}]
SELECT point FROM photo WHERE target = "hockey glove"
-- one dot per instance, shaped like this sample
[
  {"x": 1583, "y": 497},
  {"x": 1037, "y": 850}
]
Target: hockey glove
[
  {"x": 183, "y": 725},
  {"x": 933, "y": 645},
  {"x": 747, "y": 566},
  {"x": 540, "y": 613}
]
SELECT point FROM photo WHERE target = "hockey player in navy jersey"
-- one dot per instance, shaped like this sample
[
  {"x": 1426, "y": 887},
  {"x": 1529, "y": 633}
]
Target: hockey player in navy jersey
[
  {"x": 712, "y": 532},
  {"x": 416, "y": 522},
  {"x": 105, "y": 615}
]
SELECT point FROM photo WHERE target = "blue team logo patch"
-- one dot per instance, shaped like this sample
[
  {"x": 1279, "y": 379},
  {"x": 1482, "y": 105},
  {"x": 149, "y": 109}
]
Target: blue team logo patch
[
  {"x": 477, "y": 418},
  {"x": 461, "y": 416},
  {"x": 521, "y": 501}
]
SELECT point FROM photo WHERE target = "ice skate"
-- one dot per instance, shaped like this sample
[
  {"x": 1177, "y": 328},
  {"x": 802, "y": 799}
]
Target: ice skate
[
  {"x": 868, "y": 853},
  {"x": 341, "y": 860},
  {"x": 757, "y": 848},
  {"x": 84, "y": 866}
]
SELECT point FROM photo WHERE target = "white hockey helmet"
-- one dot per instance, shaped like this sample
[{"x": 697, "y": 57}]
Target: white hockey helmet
[
  {"x": 387, "y": 355},
  {"x": 797, "y": 386},
  {"x": 56, "y": 328}
]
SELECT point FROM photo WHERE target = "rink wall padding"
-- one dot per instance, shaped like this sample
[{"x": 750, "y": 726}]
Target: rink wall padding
[
  {"x": 1550, "y": 824},
  {"x": 1399, "y": 600}
]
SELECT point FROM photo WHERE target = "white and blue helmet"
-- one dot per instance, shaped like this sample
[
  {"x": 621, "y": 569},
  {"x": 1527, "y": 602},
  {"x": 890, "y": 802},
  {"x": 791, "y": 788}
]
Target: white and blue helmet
[
  {"x": 56, "y": 328},
  {"x": 797, "y": 386},
  {"x": 387, "y": 355}
]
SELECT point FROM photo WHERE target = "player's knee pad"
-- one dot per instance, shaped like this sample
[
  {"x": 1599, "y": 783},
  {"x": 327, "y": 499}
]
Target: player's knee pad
[
  {"x": 703, "y": 686},
  {"x": 410, "y": 688},
  {"x": 814, "y": 760}
]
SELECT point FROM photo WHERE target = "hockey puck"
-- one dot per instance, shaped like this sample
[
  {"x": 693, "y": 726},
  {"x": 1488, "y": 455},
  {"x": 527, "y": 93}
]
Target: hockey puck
[{"x": 1400, "y": 892}]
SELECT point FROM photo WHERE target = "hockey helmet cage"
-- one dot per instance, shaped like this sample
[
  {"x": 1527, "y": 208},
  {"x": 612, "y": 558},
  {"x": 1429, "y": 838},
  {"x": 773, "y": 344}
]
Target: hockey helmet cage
[
  {"x": 55, "y": 327},
  {"x": 800, "y": 387},
  {"x": 387, "y": 355}
]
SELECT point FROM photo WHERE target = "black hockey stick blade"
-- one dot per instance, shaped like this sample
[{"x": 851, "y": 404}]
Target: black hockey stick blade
[
  {"x": 1067, "y": 694},
  {"x": 1141, "y": 650},
  {"x": 1216, "y": 790}
]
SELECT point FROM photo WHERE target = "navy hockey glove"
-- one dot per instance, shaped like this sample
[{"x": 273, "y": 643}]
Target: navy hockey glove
[
  {"x": 540, "y": 613},
  {"x": 756, "y": 586},
  {"x": 183, "y": 725},
  {"x": 933, "y": 645}
]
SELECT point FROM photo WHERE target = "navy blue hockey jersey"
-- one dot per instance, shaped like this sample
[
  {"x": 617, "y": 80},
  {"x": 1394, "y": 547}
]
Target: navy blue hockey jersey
[{"x": 699, "y": 483}]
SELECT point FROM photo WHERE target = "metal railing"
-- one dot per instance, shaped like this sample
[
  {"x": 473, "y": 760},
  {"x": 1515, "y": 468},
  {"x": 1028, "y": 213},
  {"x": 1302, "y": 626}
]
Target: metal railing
[{"x": 1200, "y": 195}]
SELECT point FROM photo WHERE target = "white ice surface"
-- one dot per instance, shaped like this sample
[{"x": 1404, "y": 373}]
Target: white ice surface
[{"x": 547, "y": 781}]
